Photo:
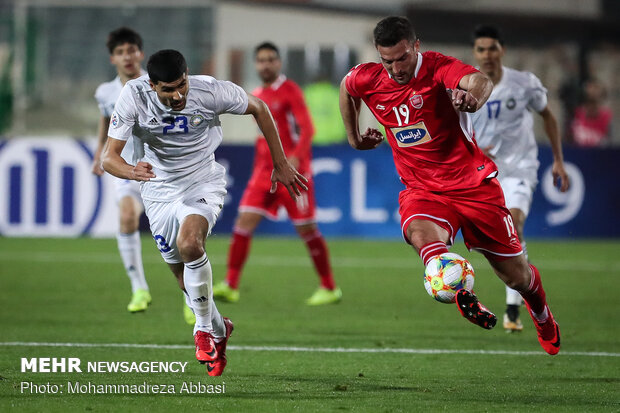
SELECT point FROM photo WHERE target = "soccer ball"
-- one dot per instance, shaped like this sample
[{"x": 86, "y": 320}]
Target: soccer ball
[{"x": 445, "y": 274}]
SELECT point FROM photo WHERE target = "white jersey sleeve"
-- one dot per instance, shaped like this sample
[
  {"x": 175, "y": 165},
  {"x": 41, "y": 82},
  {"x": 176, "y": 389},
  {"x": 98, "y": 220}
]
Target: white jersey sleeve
[
  {"x": 124, "y": 116},
  {"x": 229, "y": 98},
  {"x": 538, "y": 94}
]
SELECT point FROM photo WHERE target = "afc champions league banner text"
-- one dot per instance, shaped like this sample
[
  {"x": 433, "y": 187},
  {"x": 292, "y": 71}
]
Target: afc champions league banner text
[{"x": 47, "y": 189}]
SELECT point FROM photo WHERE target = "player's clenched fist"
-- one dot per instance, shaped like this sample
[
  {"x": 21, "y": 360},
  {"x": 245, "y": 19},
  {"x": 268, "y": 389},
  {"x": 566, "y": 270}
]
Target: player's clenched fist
[
  {"x": 143, "y": 171},
  {"x": 464, "y": 101},
  {"x": 370, "y": 139}
]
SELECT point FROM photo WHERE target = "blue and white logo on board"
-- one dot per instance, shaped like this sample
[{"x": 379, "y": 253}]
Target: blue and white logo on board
[
  {"x": 50, "y": 188},
  {"x": 411, "y": 135}
]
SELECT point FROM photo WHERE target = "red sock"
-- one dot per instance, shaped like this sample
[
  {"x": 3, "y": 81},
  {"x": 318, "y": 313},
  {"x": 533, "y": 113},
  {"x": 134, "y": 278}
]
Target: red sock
[
  {"x": 535, "y": 294},
  {"x": 320, "y": 257},
  {"x": 431, "y": 249},
  {"x": 237, "y": 255}
]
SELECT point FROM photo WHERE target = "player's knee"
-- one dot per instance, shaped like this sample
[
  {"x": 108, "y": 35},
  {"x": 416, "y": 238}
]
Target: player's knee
[
  {"x": 128, "y": 222},
  {"x": 128, "y": 219},
  {"x": 190, "y": 248},
  {"x": 307, "y": 230},
  {"x": 422, "y": 232},
  {"x": 415, "y": 240},
  {"x": 418, "y": 237},
  {"x": 247, "y": 223}
]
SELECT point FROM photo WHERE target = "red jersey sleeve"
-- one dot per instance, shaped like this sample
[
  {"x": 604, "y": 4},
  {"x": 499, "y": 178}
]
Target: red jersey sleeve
[
  {"x": 449, "y": 70},
  {"x": 303, "y": 120},
  {"x": 354, "y": 81}
]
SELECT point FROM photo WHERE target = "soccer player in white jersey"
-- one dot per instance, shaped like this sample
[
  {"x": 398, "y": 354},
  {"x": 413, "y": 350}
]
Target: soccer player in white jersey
[
  {"x": 176, "y": 117},
  {"x": 125, "y": 47},
  {"x": 504, "y": 131},
  {"x": 126, "y": 54}
]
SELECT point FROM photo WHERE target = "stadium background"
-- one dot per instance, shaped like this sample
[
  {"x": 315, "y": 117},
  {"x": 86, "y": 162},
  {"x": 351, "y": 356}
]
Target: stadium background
[
  {"x": 387, "y": 346},
  {"x": 52, "y": 57}
]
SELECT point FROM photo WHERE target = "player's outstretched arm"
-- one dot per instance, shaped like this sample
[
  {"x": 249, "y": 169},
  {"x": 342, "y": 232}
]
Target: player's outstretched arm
[
  {"x": 473, "y": 91},
  {"x": 350, "y": 112},
  {"x": 552, "y": 130},
  {"x": 283, "y": 171},
  {"x": 114, "y": 164}
]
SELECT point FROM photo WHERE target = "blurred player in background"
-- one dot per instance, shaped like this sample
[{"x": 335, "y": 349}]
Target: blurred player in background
[
  {"x": 126, "y": 54},
  {"x": 449, "y": 182},
  {"x": 504, "y": 130},
  {"x": 591, "y": 124},
  {"x": 125, "y": 47},
  {"x": 183, "y": 187},
  {"x": 286, "y": 102}
]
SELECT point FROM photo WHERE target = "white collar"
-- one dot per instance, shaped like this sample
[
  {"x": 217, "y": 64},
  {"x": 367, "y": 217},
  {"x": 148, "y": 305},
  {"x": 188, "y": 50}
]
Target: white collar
[
  {"x": 418, "y": 65},
  {"x": 278, "y": 82}
]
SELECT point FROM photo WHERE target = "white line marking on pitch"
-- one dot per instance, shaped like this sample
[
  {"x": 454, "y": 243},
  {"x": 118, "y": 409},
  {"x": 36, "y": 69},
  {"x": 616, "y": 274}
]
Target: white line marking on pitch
[
  {"x": 313, "y": 349},
  {"x": 302, "y": 261}
]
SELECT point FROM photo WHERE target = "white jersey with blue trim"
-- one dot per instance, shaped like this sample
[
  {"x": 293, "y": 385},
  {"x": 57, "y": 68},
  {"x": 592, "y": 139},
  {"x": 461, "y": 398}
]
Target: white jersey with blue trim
[
  {"x": 106, "y": 95},
  {"x": 505, "y": 122},
  {"x": 179, "y": 144}
]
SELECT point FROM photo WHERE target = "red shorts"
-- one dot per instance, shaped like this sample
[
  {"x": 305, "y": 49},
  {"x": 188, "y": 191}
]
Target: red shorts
[
  {"x": 257, "y": 198},
  {"x": 480, "y": 213}
]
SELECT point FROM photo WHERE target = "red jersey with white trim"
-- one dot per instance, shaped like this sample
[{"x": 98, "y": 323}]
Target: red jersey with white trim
[
  {"x": 288, "y": 108},
  {"x": 432, "y": 143}
]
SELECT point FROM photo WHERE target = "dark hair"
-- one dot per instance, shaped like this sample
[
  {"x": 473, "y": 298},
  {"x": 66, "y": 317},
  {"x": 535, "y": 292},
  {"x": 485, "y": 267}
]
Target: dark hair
[
  {"x": 121, "y": 36},
  {"x": 392, "y": 30},
  {"x": 485, "y": 30},
  {"x": 166, "y": 66},
  {"x": 268, "y": 46}
]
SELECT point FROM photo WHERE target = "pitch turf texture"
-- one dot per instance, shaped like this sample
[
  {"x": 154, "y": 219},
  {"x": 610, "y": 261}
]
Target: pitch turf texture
[{"x": 75, "y": 291}]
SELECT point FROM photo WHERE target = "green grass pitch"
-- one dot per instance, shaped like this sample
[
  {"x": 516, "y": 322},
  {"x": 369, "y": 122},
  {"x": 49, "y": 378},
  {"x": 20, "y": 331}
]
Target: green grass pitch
[{"x": 75, "y": 291}]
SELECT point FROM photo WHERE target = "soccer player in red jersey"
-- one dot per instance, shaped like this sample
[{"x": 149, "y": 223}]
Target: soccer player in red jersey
[
  {"x": 286, "y": 102},
  {"x": 420, "y": 99}
]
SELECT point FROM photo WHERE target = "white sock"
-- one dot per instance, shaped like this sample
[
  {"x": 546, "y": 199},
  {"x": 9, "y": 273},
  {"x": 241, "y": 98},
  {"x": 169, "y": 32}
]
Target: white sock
[
  {"x": 219, "y": 328},
  {"x": 198, "y": 279},
  {"x": 217, "y": 321},
  {"x": 130, "y": 247},
  {"x": 188, "y": 302},
  {"x": 513, "y": 297},
  {"x": 543, "y": 316}
]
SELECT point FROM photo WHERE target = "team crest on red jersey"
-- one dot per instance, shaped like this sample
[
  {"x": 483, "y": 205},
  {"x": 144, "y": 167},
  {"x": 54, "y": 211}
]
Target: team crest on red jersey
[{"x": 416, "y": 101}]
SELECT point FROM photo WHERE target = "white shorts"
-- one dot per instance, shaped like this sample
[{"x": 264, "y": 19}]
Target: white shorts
[
  {"x": 166, "y": 218},
  {"x": 518, "y": 192},
  {"x": 127, "y": 187}
]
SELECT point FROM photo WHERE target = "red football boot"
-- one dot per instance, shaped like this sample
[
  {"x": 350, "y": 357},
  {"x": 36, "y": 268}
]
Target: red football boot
[
  {"x": 216, "y": 367},
  {"x": 205, "y": 347},
  {"x": 548, "y": 332}
]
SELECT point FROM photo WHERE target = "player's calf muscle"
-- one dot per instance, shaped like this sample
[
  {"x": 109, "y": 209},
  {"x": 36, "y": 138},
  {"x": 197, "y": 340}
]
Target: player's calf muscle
[{"x": 514, "y": 272}]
